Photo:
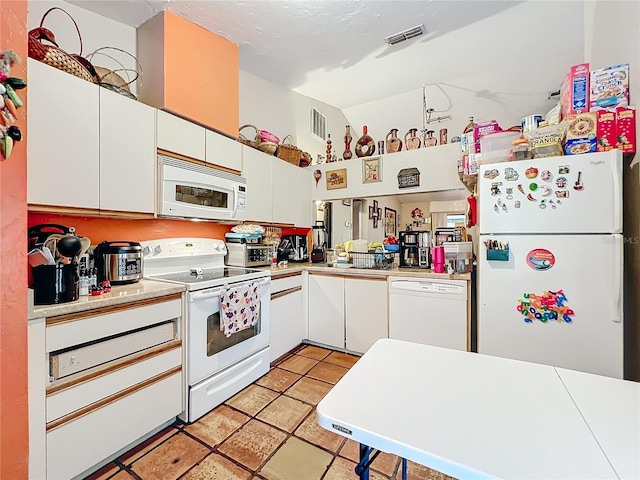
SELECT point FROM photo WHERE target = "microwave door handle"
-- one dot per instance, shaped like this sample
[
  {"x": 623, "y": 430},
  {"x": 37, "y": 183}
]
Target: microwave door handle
[{"x": 236, "y": 191}]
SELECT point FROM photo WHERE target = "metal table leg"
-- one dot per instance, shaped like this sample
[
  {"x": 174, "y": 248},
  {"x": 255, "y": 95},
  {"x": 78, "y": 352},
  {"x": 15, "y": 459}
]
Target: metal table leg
[{"x": 362, "y": 469}]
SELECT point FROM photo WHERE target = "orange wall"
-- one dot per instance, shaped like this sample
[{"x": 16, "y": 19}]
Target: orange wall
[
  {"x": 14, "y": 437},
  {"x": 201, "y": 75}
]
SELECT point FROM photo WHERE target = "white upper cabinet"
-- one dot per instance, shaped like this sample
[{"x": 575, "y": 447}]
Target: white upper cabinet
[
  {"x": 291, "y": 194},
  {"x": 127, "y": 154},
  {"x": 63, "y": 139},
  {"x": 257, "y": 171},
  {"x": 180, "y": 136},
  {"x": 223, "y": 151}
]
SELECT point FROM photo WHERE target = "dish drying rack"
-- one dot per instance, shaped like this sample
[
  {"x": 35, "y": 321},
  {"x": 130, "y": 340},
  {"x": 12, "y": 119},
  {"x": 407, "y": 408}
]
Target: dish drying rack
[{"x": 372, "y": 260}]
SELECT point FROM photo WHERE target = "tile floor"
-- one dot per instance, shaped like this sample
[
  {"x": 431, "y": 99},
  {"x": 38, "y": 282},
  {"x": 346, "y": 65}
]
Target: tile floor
[{"x": 267, "y": 431}]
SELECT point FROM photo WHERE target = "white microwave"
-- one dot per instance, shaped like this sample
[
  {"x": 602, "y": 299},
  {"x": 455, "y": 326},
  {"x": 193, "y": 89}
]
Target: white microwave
[{"x": 190, "y": 190}]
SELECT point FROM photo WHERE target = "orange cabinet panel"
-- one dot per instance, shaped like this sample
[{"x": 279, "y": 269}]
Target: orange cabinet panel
[{"x": 189, "y": 71}]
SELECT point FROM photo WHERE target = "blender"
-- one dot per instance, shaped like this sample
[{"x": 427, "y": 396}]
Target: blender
[{"x": 319, "y": 236}]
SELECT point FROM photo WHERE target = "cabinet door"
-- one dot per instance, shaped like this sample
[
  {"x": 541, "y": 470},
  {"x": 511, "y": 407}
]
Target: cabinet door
[
  {"x": 257, "y": 170},
  {"x": 365, "y": 312},
  {"x": 223, "y": 151},
  {"x": 291, "y": 194},
  {"x": 63, "y": 142},
  {"x": 127, "y": 154},
  {"x": 326, "y": 310},
  {"x": 287, "y": 322},
  {"x": 178, "y": 135}
]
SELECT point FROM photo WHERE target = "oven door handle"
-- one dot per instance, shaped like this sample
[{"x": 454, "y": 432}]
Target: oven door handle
[{"x": 216, "y": 293}]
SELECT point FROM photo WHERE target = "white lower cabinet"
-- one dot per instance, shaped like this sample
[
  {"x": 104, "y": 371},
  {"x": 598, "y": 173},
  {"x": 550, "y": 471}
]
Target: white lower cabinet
[
  {"x": 326, "y": 309},
  {"x": 287, "y": 315},
  {"x": 85, "y": 441},
  {"x": 366, "y": 307}
]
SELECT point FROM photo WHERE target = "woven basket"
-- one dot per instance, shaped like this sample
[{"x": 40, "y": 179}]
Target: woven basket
[
  {"x": 54, "y": 56},
  {"x": 112, "y": 78},
  {"x": 289, "y": 152},
  {"x": 269, "y": 148}
]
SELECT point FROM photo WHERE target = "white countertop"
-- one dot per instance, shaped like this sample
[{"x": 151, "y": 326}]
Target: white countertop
[
  {"x": 476, "y": 416},
  {"x": 120, "y": 294},
  {"x": 393, "y": 272}
]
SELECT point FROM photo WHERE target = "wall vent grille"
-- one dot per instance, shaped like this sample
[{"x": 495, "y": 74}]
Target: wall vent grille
[
  {"x": 318, "y": 124},
  {"x": 405, "y": 35}
]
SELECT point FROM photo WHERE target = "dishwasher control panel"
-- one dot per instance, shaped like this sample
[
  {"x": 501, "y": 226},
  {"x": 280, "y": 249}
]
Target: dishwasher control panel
[{"x": 442, "y": 288}]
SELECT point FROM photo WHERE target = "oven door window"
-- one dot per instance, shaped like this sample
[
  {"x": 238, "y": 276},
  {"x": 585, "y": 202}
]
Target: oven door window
[
  {"x": 201, "y": 196},
  {"x": 217, "y": 341}
]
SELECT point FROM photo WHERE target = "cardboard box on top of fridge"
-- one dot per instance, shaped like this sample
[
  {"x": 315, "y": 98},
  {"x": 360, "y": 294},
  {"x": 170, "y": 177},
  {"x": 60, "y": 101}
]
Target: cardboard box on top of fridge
[
  {"x": 609, "y": 87},
  {"x": 479, "y": 131},
  {"x": 574, "y": 92},
  {"x": 581, "y": 133},
  {"x": 626, "y": 129}
]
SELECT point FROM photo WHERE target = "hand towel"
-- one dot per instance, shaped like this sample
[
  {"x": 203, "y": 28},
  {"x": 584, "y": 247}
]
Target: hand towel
[{"x": 239, "y": 308}]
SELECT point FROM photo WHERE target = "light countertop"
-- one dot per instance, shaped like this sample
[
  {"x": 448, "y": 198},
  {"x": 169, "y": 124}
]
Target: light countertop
[
  {"x": 393, "y": 272},
  {"x": 120, "y": 294}
]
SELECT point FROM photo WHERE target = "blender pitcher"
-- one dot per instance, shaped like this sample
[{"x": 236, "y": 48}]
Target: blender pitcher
[{"x": 319, "y": 236}]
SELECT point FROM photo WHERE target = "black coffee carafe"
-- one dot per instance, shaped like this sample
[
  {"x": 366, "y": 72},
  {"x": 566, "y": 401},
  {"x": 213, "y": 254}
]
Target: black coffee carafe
[{"x": 55, "y": 283}]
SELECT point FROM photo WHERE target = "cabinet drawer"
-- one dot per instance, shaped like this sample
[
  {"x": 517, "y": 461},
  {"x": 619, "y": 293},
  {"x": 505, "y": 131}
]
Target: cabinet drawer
[
  {"x": 69, "y": 330},
  {"x": 285, "y": 283},
  {"x": 78, "y": 445},
  {"x": 112, "y": 379}
]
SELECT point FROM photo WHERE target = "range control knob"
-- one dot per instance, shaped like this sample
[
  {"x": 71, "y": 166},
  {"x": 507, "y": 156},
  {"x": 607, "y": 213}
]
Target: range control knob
[
  {"x": 158, "y": 249},
  {"x": 146, "y": 251}
]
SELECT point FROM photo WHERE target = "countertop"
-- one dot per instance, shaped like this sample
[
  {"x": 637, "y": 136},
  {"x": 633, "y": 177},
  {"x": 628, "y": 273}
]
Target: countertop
[
  {"x": 120, "y": 294},
  {"x": 393, "y": 272}
]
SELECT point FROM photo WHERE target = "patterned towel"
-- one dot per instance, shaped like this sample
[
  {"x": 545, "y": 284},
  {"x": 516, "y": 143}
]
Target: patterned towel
[{"x": 239, "y": 308}]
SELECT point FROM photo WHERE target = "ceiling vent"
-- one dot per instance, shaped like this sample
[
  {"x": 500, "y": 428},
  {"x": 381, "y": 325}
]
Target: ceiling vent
[{"x": 406, "y": 35}]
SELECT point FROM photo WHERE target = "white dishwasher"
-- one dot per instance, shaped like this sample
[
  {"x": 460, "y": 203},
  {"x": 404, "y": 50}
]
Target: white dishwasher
[{"x": 429, "y": 311}]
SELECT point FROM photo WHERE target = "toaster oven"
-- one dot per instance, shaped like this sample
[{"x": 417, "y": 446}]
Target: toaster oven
[{"x": 249, "y": 254}]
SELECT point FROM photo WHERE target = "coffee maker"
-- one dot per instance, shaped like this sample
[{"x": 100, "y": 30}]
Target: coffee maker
[
  {"x": 319, "y": 236},
  {"x": 293, "y": 248},
  {"x": 415, "y": 249}
]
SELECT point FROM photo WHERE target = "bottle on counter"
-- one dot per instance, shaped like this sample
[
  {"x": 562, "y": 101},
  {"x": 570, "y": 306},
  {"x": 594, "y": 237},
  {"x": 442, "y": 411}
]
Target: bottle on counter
[{"x": 83, "y": 282}]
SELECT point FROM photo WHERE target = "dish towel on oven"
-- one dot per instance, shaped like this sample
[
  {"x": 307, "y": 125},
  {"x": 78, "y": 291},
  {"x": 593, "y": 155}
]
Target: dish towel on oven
[{"x": 239, "y": 308}]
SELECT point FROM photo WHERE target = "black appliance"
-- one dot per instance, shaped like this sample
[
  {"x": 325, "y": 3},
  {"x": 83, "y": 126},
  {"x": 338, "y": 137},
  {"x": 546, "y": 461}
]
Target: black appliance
[
  {"x": 415, "y": 249},
  {"x": 118, "y": 262},
  {"x": 294, "y": 248},
  {"x": 55, "y": 283},
  {"x": 319, "y": 236}
]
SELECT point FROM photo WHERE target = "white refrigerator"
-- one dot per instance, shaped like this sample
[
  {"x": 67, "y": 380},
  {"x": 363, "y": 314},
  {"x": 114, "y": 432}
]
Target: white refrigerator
[{"x": 550, "y": 262}]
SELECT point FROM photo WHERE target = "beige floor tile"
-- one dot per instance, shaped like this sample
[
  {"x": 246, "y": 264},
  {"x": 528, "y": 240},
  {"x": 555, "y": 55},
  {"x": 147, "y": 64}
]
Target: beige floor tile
[
  {"x": 298, "y": 364},
  {"x": 170, "y": 459},
  {"x": 105, "y": 472},
  {"x": 314, "y": 433},
  {"x": 309, "y": 390},
  {"x": 341, "y": 359},
  {"x": 416, "y": 471},
  {"x": 278, "y": 379},
  {"x": 216, "y": 467},
  {"x": 314, "y": 352},
  {"x": 217, "y": 425},
  {"x": 252, "y": 399},
  {"x": 285, "y": 413},
  {"x": 327, "y": 372},
  {"x": 253, "y": 444},
  {"x": 148, "y": 445},
  {"x": 343, "y": 469},
  {"x": 385, "y": 462},
  {"x": 297, "y": 460}
]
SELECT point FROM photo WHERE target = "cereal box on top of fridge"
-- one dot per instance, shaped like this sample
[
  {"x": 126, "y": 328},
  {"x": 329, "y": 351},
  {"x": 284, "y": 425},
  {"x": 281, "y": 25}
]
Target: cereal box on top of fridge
[
  {"x": 626, "y": 129},
  {"x": 610, "y": 86},
  {"x": 574, "y": 93},
  {"x": 606, "y": 129}
]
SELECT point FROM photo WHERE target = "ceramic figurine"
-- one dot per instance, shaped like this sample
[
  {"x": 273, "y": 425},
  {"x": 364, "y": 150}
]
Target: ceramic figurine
[
  {"x": 430, "y": 140},
  {"x": 394, "y": 144}
]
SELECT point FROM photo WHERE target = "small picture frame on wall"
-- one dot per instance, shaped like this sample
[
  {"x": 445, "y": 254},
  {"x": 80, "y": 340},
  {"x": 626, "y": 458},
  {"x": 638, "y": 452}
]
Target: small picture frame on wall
[
  {"x": 336, "y": 179},
  {"x": 390, "y": 224},
  {"x": 372, "y": 170}
]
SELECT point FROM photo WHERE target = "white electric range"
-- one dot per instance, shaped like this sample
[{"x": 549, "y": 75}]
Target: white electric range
[{"x": 216, "y": 366}]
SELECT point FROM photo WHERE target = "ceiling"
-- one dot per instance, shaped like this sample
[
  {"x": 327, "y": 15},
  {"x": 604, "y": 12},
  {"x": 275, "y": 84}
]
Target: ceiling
[{"x": 330, "y": 50}]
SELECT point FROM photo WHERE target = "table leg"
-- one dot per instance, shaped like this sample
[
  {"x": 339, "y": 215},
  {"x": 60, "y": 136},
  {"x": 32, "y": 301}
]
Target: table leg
[
  {"x": 364, "y": 460},
  {"x": 404, "y": 469}
]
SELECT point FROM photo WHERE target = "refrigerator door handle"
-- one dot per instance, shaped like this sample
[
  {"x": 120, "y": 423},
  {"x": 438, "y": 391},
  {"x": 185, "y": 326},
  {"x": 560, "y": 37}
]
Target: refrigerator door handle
[
  {"x": 617, "y": 195},
  {"x": 618, "y": 280}
]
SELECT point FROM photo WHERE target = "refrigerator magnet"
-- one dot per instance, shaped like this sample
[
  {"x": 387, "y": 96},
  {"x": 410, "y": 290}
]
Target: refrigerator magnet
[
  {"x": 563, "y": 169},
  {"x": 546, "y": 175},
  {"x": 531, "y": 172},
  {"x": 510, "y": 174},
  {"x": 533, "y": 187},
  {"x": 561, "y": 182},
  {"x": 509, "y": 193},
  {"x": 562, "y": 194},
  {"x": 491, "y": 174},
  {"x": 516, "y": 204},
  {"x": 546, "y": 190},
  {"x": 495, "y": 188}
]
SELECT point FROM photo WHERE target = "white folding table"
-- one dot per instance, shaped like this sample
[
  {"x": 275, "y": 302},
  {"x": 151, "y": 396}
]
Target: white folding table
[{"x": 476, "y": 416}]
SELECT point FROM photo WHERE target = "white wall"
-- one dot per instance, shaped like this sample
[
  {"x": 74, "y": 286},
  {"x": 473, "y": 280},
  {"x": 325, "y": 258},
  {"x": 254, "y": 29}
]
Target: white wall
[
  {"x": 521, "y": 88},
  {"x": 283, "y": 112},
  {"x": 97, "y": 31}
]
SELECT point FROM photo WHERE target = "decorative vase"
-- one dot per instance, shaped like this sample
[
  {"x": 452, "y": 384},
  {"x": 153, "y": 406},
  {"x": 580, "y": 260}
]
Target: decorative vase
[
  {"x": 365, "y": 146},
  {"x": 380, "y": 147},
  {"x": 347, "y": 144},
  {"x": 430, "y": 140},
  {"x": 329, "y": 157},
  {"x": 394, "y": 144},
  {"x": 443, "y": 136},
  {"x": 411, "y": 140}
]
